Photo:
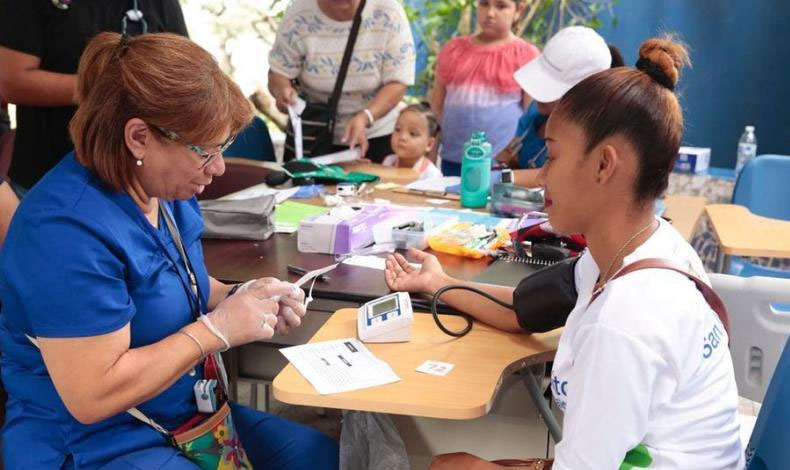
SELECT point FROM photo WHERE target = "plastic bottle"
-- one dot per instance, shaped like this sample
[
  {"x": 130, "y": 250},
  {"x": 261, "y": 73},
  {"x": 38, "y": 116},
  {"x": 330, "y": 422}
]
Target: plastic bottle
[
  {"x": 476, "y": 171},
  {"x": 747, "y": 149}
]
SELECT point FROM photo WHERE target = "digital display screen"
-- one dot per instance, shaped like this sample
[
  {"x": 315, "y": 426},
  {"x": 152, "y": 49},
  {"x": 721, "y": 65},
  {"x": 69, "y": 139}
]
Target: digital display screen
[{"x": 383, "y": 307}]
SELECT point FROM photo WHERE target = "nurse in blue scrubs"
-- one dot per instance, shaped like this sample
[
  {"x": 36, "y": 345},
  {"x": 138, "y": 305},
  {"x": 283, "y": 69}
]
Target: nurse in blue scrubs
[{"x": 103, "y": 267}]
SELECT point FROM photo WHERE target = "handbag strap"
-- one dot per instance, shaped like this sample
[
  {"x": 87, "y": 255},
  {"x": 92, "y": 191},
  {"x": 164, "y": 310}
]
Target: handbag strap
[
  {"x": 341, "y": 76},
  {"x": 711, "y": 297}
]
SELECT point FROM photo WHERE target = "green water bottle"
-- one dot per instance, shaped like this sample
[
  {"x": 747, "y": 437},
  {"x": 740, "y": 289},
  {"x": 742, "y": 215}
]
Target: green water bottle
[{"x": 476, "y": 171}]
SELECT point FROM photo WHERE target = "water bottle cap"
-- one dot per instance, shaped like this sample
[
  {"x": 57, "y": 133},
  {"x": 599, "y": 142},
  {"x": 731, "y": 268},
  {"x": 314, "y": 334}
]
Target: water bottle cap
[{"x": 749, "y": 128}]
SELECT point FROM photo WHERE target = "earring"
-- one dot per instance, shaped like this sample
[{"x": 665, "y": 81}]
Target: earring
[{"x": 139, "y": 162}]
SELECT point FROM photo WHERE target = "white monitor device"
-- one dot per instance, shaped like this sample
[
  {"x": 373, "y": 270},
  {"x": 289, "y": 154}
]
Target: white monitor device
[{"x": 387, "y": 319}]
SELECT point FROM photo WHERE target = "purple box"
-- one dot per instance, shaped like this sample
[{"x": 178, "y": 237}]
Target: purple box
[{"x": 340, "y": 233}]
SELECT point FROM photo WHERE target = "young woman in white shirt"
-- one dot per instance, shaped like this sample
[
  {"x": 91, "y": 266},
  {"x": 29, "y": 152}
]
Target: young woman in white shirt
[{"x": 643, "y": 372}]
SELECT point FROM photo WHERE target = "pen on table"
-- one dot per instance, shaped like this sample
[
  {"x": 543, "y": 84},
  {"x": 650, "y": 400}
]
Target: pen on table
[{"x": 302, "y": 271}]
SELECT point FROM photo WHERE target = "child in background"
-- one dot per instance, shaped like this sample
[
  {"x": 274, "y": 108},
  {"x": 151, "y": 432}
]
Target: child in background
[
  {"x": 474, "y": 88},
  {"x": 414, "y": 137},
  {"x": 570, "y": 56}
]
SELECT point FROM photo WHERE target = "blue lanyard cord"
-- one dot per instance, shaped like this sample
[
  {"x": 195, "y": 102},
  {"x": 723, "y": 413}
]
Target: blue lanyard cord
[{"x": 190, "y": 284}]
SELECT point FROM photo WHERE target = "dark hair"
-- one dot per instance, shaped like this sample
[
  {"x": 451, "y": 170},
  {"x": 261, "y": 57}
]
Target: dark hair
[
  {"x": 164, "y": 79},
  {"x": 617, "y": 56},
  {"x": 425, "y": 109},
  {"x": 639, "y": 104}
]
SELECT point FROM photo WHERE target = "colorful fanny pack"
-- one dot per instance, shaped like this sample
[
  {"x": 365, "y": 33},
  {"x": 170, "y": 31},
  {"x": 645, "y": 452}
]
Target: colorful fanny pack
[{"x": 210, "y": 441}]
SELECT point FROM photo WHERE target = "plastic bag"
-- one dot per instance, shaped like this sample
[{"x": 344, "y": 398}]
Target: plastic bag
[
  {"x": 370, "y": 441},
  {"x": 468, "y": 239}
]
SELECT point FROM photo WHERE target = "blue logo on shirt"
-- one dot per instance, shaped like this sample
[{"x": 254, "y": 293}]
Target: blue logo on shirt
[{"x": 711, "y": 341}]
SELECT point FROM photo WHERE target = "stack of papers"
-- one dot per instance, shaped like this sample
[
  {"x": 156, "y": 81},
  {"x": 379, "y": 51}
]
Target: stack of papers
[
  {"x": 288, "y": 215},
  {"x": 340, "y": 365}
]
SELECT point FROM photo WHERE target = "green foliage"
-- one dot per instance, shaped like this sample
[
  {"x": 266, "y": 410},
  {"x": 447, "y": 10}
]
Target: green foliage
[{"x": 439, "y": 21}]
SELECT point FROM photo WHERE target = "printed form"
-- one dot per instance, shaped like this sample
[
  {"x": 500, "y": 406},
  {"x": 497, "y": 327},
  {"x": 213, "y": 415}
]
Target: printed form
[{"x": 339, "y": 365}]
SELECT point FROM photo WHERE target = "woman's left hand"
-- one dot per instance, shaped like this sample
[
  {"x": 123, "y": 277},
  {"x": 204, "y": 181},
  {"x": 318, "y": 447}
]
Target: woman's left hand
[
  {"x": 354, "y": 134},
  {"x": 292, "y": 307}
]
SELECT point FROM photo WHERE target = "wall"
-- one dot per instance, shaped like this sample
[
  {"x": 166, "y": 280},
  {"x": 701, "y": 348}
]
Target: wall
[{"x": 740, "y": 52}]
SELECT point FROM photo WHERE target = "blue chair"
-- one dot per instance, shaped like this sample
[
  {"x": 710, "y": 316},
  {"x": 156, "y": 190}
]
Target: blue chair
[
  {"x": 254, "y": 142},
  {"x": 763, "y": 188},
  {"x": 767, "y": 448}
]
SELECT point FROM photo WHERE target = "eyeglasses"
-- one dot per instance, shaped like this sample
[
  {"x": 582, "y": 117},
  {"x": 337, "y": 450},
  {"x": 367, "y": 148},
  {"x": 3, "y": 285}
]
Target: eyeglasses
[{"x": 202, "y": 153}]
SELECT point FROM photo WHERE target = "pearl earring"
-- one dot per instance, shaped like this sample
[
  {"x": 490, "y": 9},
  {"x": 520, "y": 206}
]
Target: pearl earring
[{"x": 139, "y": 162}]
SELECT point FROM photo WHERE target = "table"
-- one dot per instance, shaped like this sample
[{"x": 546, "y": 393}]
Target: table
[
  {"x": 739, "y": 232},
  {"x": 481, "y": 359},
  {"x": 685, "y": 213}
]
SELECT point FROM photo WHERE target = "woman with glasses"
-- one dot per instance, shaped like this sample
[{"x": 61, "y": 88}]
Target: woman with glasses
[{"x": 107, "y": 304}]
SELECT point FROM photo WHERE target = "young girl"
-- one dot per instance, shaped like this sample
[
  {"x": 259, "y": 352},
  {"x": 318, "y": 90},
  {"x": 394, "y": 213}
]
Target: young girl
[
  {"x": 414, "y": 137},
  {"x": 475, "y": 89}
]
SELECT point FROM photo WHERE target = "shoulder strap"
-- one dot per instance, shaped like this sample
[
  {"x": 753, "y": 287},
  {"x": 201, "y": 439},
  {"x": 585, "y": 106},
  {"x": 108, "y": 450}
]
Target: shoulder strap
[
  {"x": 711, "y": 297},
  {"x": 341, "y": 76}
]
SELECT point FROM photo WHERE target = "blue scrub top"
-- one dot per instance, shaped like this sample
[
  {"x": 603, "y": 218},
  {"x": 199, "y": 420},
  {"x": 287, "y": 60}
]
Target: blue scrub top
[
  {"x": 79, "y": 261},
  {"x": 533, "y": 146}
]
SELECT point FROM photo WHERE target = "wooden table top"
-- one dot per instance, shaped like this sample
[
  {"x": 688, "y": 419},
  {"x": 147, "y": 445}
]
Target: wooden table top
[
  {"x": 685, "y": 213},
  {"x": 481, "y": 358},
  {"x": 742, "y": 233}
]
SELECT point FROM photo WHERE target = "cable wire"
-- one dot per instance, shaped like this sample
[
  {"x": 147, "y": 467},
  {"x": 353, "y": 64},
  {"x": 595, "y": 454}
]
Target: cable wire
[{"x": 469, "y": 319}]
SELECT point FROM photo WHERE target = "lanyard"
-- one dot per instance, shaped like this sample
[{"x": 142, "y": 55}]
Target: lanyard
[{"x": 191, "y": 286}]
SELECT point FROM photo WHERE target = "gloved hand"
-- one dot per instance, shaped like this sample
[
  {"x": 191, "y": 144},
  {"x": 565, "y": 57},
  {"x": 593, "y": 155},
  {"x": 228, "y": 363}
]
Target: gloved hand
[
  {"x": 290, "y": 297},
  {"x": 243, "y": 318}
]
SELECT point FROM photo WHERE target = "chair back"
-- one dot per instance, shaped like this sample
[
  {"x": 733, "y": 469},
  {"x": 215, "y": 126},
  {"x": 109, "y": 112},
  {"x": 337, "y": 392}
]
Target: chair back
[
  {"x": 767, "y": 448},
  {"x": 758, "y": 331},
  {"x": 763, "y": 186},
  {"x": 254, "y": 142},
  {"x": 6, "y": 151},
  {"x": 240, "y": 173}
]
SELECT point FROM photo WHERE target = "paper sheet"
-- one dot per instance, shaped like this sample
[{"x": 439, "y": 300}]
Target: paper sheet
[
  {"x": 280, "y": 195},
  {"x": 295, "y": 113},
  {"x": 338, "y": 157},
  {"x": 372, "y": 262},
  {"x": 438, "y": 184},
  {"x": 339, "y": 366},
  {"x": 290, "y": 213}
]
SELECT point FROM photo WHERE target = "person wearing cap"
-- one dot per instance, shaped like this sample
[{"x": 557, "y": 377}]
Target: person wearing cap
[{"x": 570, "y": 56}]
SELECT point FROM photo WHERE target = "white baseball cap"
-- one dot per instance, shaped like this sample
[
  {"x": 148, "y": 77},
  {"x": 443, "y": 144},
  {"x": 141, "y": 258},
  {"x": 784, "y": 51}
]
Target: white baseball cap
[{"x": 570, "y": 56}]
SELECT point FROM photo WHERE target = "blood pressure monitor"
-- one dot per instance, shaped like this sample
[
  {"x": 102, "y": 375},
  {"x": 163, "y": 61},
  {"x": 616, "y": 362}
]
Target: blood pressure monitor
[{"x": 387, "y": 319}]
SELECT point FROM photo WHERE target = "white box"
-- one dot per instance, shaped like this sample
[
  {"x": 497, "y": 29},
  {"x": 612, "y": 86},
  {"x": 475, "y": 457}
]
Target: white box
[{"x": 692, "y": 160}]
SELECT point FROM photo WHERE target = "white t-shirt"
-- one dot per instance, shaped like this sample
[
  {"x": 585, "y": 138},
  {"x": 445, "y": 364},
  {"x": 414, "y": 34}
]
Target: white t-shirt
[
  {"x": 425, "y": 168},
  {"x": 310, "y": 45},
  {"x": 644, "y": 374}
]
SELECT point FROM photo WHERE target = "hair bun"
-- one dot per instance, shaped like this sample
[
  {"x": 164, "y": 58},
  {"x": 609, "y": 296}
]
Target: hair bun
[{"x": 662, "y": 59}]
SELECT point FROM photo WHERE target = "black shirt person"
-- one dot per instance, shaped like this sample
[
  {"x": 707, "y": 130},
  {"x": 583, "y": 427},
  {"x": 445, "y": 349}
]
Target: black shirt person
[{"x": 41, "y": 42}]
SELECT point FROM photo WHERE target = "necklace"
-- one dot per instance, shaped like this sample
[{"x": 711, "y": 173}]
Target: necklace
[{"x": 605, "y": 277}]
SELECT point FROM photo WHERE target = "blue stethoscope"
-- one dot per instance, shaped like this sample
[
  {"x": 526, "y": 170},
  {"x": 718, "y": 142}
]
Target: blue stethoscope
[{"x": 135, "y": 14}]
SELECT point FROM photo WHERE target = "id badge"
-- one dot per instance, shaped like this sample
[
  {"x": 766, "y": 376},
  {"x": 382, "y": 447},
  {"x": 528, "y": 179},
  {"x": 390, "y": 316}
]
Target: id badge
[{"x": 206, "y": 395}]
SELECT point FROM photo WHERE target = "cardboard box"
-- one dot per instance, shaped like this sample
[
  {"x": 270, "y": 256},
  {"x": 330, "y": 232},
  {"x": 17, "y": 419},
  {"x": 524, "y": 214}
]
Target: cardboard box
[
  {"x": 692, "y": 160},
  {"x": 340, "y": 231}
]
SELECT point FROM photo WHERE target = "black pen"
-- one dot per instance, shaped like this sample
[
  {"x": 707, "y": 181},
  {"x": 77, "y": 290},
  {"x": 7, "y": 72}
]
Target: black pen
[{"x": 302, "y": 271}]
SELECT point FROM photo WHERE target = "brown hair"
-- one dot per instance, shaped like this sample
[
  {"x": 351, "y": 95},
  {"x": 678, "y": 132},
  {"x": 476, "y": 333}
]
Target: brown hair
[
  {"x": 639, "y": 104},
  {"x": 164, "y": 79},
  {"x": 424, "y": 108}
]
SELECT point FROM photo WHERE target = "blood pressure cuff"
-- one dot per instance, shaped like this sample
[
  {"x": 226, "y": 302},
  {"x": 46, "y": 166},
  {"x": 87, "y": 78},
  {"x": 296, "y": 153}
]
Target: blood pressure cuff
[{"x": 544, "y": 299}]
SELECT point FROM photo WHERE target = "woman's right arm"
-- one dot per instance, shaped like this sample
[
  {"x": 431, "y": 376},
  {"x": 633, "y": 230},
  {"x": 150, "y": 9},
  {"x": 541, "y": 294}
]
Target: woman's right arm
[
  {"x": 402, "y": 276},
  {"x": 282, "y": 90},
  {"x": 437, "y": 99},
  {"x": 22, "y": 82},
  {"x": 100, "y": 376}
]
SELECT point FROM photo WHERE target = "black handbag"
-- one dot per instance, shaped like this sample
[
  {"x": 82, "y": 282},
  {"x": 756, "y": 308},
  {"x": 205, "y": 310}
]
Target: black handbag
[{"x": 318, "y": 119}]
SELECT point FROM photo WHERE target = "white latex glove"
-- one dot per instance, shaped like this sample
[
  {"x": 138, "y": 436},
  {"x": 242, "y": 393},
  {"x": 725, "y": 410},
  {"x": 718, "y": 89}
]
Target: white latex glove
[
  {"x": 290, "y": 297},
  {"x": 243, "y": 318}
]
